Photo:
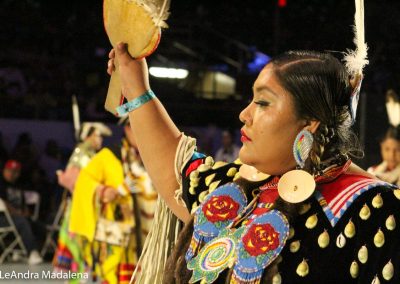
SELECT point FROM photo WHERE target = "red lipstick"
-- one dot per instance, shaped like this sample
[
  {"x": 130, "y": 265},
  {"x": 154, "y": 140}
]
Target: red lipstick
[{"x": 244, "y": 137}]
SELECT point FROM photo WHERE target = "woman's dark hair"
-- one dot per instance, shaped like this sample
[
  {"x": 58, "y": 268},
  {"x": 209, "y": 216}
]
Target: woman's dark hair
[
  {"x": 392, "y": 132},
  {"x": 321, "y": 89}
]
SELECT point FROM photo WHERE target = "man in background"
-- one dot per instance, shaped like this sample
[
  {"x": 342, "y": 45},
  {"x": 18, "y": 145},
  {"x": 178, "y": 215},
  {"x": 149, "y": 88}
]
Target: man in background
[
  {"x": 12, "y": 194},
  {"x": 68, "y": 256}
]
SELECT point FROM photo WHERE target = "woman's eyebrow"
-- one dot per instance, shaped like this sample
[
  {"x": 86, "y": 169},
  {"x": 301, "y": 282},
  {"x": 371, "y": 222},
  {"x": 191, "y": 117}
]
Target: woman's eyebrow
[{"x": 262, "y": 89}]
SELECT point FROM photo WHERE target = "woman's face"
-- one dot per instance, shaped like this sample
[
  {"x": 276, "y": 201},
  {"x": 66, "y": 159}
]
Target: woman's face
[
  {"x": 390, "y": 151},
  {"x": 270, "y": 126}
]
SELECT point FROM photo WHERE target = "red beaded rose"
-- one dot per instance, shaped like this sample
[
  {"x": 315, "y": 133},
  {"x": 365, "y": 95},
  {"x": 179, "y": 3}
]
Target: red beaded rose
[
  {"x": 220, "y": 208},
  {"x": 260, "y": 239}
]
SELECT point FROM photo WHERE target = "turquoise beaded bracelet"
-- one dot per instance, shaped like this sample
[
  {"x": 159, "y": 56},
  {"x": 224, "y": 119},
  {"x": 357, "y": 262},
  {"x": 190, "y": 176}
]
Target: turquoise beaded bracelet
[{"x": 135, "y": 103}]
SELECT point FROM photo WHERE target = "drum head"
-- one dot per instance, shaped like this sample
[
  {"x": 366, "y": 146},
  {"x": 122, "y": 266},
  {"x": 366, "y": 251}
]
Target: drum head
[{"x": 126, "y": 21}]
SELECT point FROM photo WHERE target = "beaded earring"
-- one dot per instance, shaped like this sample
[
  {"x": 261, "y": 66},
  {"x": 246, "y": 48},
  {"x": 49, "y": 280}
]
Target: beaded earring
[
  {"x": 302, "y": 147},
  {"x": 298, "y": 185}
]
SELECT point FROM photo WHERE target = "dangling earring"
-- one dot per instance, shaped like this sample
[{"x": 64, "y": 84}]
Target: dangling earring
[
  {"x": 302, "y": 147},
  {"x": 297, "y": 185}
]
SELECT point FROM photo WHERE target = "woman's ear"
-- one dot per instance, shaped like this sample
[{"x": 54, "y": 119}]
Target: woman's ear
[{"x": 312, "y": 126}]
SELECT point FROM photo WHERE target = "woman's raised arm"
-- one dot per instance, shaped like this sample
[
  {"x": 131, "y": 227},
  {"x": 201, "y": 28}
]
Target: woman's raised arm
[{"x": 156, "y": 134}]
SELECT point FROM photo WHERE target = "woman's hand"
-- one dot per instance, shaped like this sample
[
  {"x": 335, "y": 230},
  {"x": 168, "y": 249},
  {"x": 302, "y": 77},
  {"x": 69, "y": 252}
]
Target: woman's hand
[
  {"x": 133, "y": 72},
  {"x": 107, "y": 193}
]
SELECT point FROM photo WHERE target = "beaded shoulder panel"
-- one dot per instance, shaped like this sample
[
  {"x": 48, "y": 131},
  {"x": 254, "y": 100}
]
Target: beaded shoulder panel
[
  {"x": 202, "y": 176},
  {"x": 337, "y": 196}
]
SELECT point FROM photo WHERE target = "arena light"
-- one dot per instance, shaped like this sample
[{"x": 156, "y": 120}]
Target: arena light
[{"x": 171, "y": 73}]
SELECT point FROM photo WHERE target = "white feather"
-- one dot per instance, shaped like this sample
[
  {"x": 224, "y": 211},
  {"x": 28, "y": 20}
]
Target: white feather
[
  {"x": 393, "y": 108},
  {"x": 76, "y": 117},
  {"x": 157, "y": 9},
  {"x": 355, "y": 60}
]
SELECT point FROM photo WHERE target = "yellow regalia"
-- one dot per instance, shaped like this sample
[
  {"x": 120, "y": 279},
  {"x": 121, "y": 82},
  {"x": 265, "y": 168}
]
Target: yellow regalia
[{"x": 106, "y": 169}]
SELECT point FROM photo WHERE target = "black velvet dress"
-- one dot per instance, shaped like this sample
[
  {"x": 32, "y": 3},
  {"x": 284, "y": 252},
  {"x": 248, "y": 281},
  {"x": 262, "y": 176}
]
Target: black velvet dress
[{"x": 345, "y": 233}]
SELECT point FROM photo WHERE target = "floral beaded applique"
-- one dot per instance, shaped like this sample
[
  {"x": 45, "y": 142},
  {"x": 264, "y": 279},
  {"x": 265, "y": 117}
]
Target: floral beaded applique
[
  {"x": 215, "y": 256},
  {"x": 261, "y": 243},
  {"x": 260, "y": 239},
  {"x": 220, "y": 208},
  {"x": 248, "y": 249},
  {"x": 217, "y": 212}
]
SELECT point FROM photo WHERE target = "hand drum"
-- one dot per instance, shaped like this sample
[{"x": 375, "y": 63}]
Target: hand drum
[{"x": 137, "y": 23}]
